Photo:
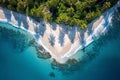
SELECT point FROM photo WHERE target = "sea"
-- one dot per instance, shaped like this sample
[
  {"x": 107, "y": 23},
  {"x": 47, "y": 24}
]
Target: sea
[{"x": 98, "y": 61}]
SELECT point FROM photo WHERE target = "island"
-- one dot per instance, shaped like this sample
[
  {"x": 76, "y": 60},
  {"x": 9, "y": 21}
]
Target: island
[{"x": 61, "y": 27}]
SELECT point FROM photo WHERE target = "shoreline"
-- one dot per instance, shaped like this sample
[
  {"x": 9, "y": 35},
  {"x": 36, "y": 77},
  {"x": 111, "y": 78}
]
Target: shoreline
[
  {"x": 45, "y": 32},
  {"x": 90, "y": 39}
]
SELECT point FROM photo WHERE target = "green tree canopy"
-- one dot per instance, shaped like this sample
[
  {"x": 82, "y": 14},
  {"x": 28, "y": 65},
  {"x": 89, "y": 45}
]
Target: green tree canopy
[{"x": 70, "y": 12}]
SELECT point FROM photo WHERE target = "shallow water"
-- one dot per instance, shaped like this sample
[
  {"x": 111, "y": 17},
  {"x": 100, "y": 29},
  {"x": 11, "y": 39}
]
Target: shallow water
[{"x": 101, "y": 60}]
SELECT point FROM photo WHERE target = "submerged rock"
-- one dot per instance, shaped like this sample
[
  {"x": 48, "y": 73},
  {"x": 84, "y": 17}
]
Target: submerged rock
[
  {"x": 32, "y": 42},
  {"x": 43, "y": 56},
  {"x": 72, "y": 61},
  {"x": 52, "y": 74},
  {"x": 19, "y": 40},
  {"x": 42, "y": 53},
  {"x": 68, "y": 67}
]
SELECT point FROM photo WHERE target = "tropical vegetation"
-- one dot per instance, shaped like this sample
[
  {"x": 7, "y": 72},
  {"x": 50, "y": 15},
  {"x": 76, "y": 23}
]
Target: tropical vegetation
[{"x": 69, "y": 12}]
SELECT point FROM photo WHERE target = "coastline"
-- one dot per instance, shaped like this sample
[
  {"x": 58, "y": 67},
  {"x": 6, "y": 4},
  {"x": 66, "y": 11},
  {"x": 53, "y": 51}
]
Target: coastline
[
  {"x": 81, "y": 38},
  {"x": 102, "y": 28}
]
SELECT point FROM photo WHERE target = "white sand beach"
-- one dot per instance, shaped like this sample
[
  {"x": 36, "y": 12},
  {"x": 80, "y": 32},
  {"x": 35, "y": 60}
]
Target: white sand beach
[{"x": 60, "y": 40}]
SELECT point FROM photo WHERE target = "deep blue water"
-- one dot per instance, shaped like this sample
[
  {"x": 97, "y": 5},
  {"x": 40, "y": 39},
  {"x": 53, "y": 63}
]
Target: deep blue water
[{"x": 101, "y": 58}]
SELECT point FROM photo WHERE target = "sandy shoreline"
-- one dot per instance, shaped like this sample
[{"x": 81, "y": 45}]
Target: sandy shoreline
[{"x": 60, "y": 40}]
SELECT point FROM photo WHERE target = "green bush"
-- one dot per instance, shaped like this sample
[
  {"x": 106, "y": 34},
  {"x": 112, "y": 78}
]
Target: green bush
[{"x": 70, "y": 12}]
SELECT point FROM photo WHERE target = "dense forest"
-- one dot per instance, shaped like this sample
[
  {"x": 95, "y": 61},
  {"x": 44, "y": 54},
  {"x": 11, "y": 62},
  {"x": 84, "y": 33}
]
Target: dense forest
[{"x": 69, "y": 12}]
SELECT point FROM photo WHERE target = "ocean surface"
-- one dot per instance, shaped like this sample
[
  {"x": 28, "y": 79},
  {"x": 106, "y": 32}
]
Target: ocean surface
[{"x": 99, "y": 61}]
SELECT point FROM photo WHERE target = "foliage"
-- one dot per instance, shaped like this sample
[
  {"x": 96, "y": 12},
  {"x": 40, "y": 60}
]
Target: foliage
[
  {"x": 20, "y": 6},
  {"x": 48, "y": 17},
  {"x": 70, "y": 12},
  {"x": 62, "y": 18}
]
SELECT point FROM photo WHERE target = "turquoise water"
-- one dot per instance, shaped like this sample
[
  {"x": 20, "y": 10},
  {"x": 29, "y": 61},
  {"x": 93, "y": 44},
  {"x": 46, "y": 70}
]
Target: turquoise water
[{"x": 100, "y": 60}]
